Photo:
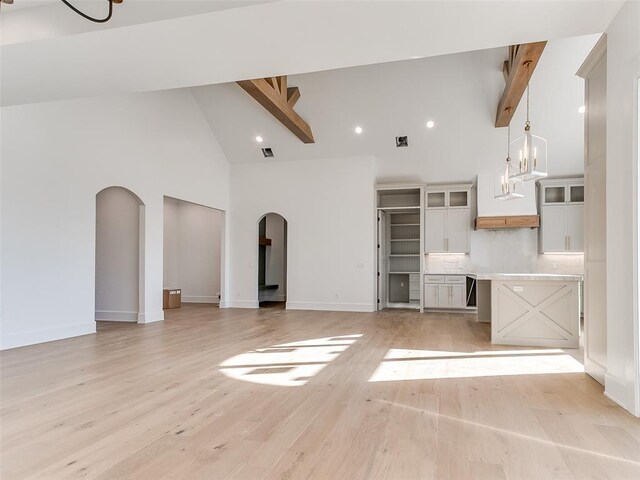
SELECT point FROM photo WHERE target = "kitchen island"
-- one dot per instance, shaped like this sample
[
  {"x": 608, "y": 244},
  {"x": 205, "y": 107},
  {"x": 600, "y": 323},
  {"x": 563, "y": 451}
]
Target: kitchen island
[{"x": 531, "y": 309}]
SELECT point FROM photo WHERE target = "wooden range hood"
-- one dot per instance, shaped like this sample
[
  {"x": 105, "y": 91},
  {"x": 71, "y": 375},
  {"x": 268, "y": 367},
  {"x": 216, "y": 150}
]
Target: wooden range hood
[
  {"x": 495, "y": 214},
  {"x": 511, "y": 221}
]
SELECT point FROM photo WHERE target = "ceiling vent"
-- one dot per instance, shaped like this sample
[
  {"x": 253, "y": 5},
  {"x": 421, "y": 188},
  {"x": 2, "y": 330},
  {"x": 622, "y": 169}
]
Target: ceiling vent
[
  {"x": 267, "y": 152},
  {"x": 402, "y": 141}
]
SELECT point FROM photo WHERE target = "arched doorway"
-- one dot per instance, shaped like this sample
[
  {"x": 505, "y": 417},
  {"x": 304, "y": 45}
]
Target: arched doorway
[
  {"x": 272, "y": 261},
  {"x": 119, "y": 294}
]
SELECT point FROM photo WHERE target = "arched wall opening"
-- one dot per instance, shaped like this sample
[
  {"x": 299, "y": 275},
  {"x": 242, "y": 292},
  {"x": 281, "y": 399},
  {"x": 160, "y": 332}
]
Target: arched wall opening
[
  {"x": 272, "y": 260},
  {"x": 119, "y": 255}
]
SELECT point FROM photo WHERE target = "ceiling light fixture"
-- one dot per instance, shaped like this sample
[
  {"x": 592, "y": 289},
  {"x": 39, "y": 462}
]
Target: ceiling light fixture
[
  {"x": 259, "y": 139},
  {"x": 532, "y": 155},
  {"x": 505, "y": 186},
  {"x": 582, "y": 109},
  {"x": 358, "y": 130},
  {"x": 430, "y": 124},
  {"x": 93, "y": 19}
]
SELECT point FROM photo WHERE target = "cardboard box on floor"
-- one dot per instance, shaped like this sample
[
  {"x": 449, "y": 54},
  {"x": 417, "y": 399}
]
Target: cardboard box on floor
[{"x": 171, "y": 298}]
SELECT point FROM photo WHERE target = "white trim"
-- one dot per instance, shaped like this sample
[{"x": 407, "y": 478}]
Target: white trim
[
  {"x": 151, "y": 317},
  {"x": 617, "y": 390},
  {"x": 635, "y": 149},
  {"x": 115, "y": 316},
  {"x": 592, "y": 59},
  {"x": 337, "y": 307},
  {"x": 32, "y": 337},
  {"x": 595, "y": 370},
  {"x": 200, "y": 299},
  {"x": 240, "y": 304}
]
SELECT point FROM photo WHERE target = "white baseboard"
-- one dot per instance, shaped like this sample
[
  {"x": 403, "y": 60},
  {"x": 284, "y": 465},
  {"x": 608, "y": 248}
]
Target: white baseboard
[
  {"x": 594, "y": 370},
  {"x": 199, "y": 299},
  {"x": 336, "y": 307},
  {"x": 32, "y": 337},
  {"x": 617, "y": 391},
  {"x": 115, "y": 316},
  {"x": 150, "y": 317}
]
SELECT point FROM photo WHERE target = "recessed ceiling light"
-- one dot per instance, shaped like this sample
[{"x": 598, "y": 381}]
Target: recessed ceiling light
[
  {"x": 358, "y": 130},
  {"x": 430, "y": 124},
  {"x": 582, "y": 109},
  {"x": 259, "y": 139}
]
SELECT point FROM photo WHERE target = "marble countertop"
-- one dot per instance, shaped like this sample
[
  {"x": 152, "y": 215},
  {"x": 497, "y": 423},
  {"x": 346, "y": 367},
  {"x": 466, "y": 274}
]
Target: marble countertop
[
  {"x": 545, "y": 277},
  {"x": 559, "y": 277}
]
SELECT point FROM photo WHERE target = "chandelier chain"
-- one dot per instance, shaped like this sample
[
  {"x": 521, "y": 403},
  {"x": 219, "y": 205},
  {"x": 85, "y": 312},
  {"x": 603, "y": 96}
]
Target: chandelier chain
[
  {"x": 527, "y": 124},
  {"x": 93, "y": 19}
]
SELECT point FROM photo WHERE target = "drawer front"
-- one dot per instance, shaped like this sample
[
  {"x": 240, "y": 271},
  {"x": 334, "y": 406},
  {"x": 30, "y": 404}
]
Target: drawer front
[
  {"x": 455, "y": 279},
  {"x": 434, "y": 278}
]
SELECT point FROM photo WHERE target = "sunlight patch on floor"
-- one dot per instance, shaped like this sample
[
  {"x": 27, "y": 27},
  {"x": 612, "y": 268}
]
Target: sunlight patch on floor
[
  {"x": 401, "y": 364},
  {"x": 287, "y": 364}
]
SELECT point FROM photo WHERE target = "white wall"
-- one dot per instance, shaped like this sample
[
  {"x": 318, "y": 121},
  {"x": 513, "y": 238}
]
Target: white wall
[
  {"x": 117, "y": 255},
  {"x": 193, "y": 250},
  {"x": 55, "y": 158},
  {"x": 623, "y": 70},
  {"x": 171, "y": 261},
  {"x": 329, "y": 208}
]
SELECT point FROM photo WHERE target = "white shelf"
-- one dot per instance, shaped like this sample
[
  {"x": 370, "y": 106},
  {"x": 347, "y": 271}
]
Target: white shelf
[
  {"x": 405, "y": 224},
  {"x": 401, "y": 273},
  {"x": 405, "y": 239},
  {"x": 407, "y": 207},
  {"x": 404, "y": 255}
]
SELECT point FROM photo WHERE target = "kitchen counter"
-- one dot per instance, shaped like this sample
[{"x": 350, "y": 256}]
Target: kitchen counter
[
  {"x": 531, "y": 309},
  {"x": 541, "y": 277}
]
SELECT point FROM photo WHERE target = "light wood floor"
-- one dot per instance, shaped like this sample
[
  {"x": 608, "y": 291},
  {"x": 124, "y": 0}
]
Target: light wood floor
[{"x": 150, "y": 402}]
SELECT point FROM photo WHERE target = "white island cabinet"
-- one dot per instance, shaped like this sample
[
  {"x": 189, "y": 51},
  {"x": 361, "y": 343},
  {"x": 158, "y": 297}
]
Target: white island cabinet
[{"x": 541, "y": 310}]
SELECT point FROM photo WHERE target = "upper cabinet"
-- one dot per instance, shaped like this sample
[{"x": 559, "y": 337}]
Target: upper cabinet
[
  {"x": 562, "y": 215},
  {"x": 448, "y": 218}
]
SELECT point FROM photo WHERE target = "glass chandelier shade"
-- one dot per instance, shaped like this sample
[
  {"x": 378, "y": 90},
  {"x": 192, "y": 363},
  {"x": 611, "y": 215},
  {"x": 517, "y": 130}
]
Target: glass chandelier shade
[
  {"x": 531, "y": 161},
  {"x": 506, "y": 184}
]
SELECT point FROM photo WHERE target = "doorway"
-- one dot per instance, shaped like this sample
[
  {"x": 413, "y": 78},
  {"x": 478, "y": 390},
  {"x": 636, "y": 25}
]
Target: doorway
[
  {"x": 192, "y": 252},
  {"x": 119, "y": 290},
  {"x": 272, "y": 261}
]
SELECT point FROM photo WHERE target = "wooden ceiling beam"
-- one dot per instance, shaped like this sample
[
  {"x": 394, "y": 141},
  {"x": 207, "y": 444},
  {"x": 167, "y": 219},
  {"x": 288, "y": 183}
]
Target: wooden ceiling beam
[
  {"x": 278, "y": 99},
  {"x": 517, "y": 70},
  {"x": 293, "y": 94}
]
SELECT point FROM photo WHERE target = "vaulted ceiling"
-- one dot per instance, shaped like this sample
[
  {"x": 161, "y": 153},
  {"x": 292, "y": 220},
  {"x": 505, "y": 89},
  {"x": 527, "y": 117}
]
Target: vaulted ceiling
[
  {"x": 160, "y": 45},
  {"x": 459, "y": 93}
]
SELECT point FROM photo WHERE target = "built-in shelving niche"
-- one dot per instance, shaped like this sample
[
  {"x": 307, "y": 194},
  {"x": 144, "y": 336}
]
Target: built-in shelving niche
[{"x": 400, "y": 242}]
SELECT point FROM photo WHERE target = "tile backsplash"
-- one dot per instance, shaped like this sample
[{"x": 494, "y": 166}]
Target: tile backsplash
[{"x": 505, "y": 251}]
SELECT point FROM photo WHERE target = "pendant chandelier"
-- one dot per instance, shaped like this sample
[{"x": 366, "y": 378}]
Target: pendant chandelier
[
  {"x": 532, "y": 150},
  {"x": 506, "y": 185}
]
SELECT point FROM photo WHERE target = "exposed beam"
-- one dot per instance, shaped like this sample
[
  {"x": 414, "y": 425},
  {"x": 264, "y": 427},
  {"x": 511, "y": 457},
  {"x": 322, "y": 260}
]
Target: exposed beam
[
  {"x": 522, "y": 61},
  {"x": 278, "y": 99},
  {"x": 293, "y": 94}
]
